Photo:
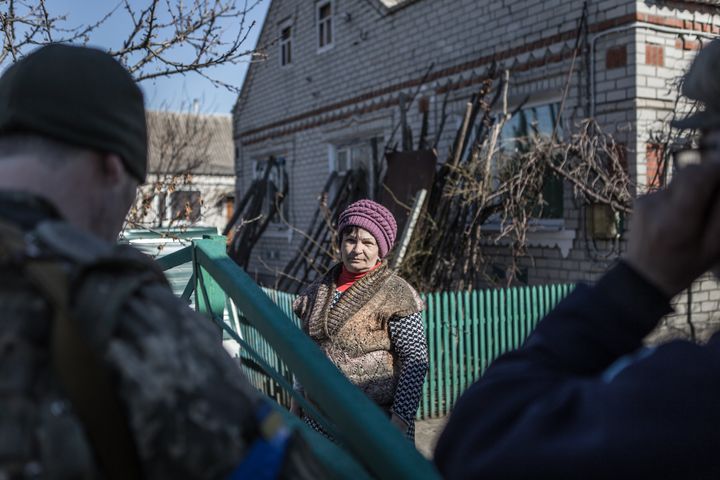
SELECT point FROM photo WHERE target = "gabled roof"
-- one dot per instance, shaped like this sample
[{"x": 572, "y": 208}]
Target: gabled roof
[{"x": 180, "y": 142}]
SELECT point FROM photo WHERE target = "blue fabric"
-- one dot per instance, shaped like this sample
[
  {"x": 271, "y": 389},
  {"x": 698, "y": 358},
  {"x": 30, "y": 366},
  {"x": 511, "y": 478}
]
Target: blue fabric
[
  {"x": 563, "y": 407},
  {"x": 264, "y": 459},
  {"x": 624, "y": 362}
]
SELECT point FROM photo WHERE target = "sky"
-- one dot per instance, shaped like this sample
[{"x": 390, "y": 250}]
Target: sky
[{"x": 170, "y": 93}]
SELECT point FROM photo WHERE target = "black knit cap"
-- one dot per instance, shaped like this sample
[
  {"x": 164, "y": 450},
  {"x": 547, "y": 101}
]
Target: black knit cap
[{"x": 78, "y": 95}]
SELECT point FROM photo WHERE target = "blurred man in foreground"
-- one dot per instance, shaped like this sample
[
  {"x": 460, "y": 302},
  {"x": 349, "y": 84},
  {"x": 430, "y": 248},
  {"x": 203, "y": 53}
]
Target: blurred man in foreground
[{"x": 103, "y": 372}]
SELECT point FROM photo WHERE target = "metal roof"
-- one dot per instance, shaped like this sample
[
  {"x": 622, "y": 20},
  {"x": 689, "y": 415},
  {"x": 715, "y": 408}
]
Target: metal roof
[{"x": 201, "y": 144}]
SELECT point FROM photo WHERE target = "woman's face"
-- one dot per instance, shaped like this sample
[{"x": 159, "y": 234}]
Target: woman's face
[{"x": 359, "y": 250}]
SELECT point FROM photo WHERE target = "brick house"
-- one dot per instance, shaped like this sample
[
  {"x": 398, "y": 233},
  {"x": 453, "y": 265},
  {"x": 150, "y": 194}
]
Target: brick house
[
  {"x": 331, "y": 83},
  {"x": 191, "y": 175}
]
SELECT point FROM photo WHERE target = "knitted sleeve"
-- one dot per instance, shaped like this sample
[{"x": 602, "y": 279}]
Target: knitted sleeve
[
  {"x": 407, "y": 335},
  {"x": 303, "y": 304}
]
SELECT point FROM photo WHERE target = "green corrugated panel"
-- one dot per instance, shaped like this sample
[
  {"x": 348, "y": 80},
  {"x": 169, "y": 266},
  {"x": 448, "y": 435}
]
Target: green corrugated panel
[
  {"x": 454, "y": 332},
  {"x": 446, "y": 356},
  {"x": 529, "y": 317},
  {"x": 475, "y": 329},
  {"x": 430, "y": 326},
  {"x": 440, "y": 328},
  {"x": 535, "y": 304},
  {"x": 489, "y": 325},
  {"x": 482, "y": 333},
  {"x": 423, "y": 408},
  {"x": 463, "y": 351},
  {"x": 443, "y": 371},
  {"x": 521, "y": 314},
  {"x": 470, "y": 373},
  {"x": 518, "y": 314},
  {"x": 496, "y": 325},
  {"x": 522, "y": 325},
  {"x": 502, "y": 318},
  {"x": 568, "y": 288},
  {"x": 492, "y": 333},
  {"x": 439, "y": 373},
  {"x": 506, "y": 306},
  {"x": 509, "y": 320}
]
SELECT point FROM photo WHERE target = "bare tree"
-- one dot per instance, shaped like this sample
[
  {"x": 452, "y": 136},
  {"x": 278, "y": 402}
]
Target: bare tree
[
  {"x": 178, "y": 144},
  {"x": 163, "y": 37},
  {"x": 482, "y": 183}
]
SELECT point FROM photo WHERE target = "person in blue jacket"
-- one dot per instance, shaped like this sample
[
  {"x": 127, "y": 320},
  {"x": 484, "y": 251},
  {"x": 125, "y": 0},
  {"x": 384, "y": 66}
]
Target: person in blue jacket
[{"x": 582, "y": 398}]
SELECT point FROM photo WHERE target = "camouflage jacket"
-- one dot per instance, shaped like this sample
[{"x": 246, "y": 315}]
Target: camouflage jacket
[{"x": 187, "y": 403}]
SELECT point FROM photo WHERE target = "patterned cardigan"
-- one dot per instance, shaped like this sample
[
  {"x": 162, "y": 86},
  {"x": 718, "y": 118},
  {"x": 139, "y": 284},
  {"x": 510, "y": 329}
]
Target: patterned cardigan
[{"x": 355, "y": 332}]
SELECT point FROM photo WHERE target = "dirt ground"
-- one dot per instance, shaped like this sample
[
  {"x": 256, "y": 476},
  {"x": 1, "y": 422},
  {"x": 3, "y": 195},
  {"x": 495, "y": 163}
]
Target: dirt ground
[{"x": 426, "y": 434}]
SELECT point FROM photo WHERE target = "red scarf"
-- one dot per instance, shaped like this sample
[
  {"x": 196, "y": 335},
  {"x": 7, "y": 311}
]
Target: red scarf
[{"x": 347, "y": 278}]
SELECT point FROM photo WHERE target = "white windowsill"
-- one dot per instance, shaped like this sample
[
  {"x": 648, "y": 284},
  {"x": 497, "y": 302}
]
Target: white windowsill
[{"x": 548, "y": 233}]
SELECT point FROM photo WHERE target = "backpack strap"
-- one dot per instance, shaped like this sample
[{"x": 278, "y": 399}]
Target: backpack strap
[
  {"x": 85, "y": 380},
  {"x": 104, "y": 287},
  {"x": 78, "y": 367}
]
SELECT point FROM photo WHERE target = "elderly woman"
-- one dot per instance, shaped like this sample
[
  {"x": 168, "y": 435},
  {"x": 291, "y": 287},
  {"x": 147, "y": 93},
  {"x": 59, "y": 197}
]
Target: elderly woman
[{"x": 367, "y": 319}]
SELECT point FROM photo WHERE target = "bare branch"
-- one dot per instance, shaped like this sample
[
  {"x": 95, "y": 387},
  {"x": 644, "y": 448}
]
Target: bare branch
[{"x": 163, "y": 39}]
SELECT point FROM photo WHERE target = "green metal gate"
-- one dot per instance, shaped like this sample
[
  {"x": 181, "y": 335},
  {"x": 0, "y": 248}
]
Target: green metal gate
[{"x": 369, "y": 446}]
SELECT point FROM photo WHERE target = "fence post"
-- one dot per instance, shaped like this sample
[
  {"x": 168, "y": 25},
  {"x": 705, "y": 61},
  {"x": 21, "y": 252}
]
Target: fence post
[{"x": 210, "y": 298}]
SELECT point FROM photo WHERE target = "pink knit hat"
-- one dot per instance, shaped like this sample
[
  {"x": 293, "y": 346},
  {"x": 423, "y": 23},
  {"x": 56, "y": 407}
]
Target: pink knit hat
[{"x": 374, "y": 218}]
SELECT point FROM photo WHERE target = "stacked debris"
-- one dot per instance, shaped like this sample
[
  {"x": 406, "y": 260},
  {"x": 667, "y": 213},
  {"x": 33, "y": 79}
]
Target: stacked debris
[{"x": 445, "y": 250}]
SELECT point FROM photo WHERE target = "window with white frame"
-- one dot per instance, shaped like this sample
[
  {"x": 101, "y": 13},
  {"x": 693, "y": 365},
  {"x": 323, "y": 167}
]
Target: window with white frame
[
  {"x": 277, "y": 179},
  {"x": 529, "y": 122},
  {"x": 325, "y": 24},
  {"x": 358, "y": 155},
  {"x": 185, "y": 206},
  {"x": 285, "y": 43}
]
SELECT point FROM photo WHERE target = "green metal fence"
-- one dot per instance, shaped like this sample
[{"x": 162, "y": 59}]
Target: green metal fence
[
  {"x": 465, "y": 332},
  {"x": 468, "y": 330}
]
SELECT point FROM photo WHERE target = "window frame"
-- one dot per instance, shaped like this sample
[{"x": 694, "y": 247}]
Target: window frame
[
  {"x": 330, "y": 20},
  {"x": 544, "y": 223},
  {"x": 543, "y": 232},
  {"x": 283, "y": 43},
  {"x": 169, "y": 211},
  {"x": 347, "y": 146}
]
